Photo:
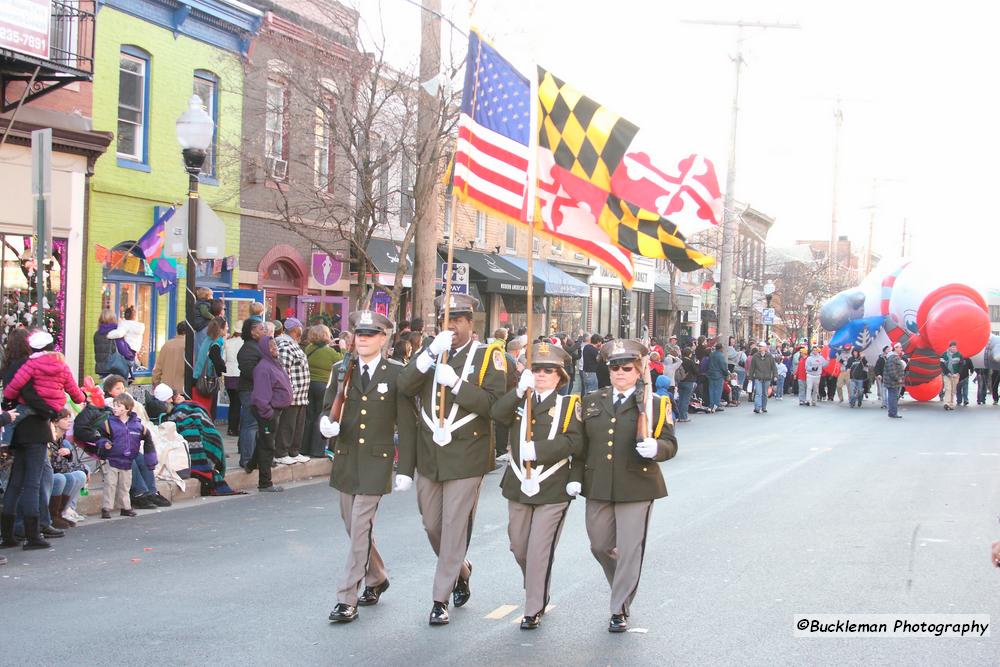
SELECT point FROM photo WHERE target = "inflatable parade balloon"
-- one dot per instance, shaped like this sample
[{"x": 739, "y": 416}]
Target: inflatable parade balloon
[{"x": 923, "y": 305}]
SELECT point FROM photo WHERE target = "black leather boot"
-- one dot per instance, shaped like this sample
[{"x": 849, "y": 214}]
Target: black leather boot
[
  {"x": 31, "y": 530},
  {"x": 8, "y": 540}
]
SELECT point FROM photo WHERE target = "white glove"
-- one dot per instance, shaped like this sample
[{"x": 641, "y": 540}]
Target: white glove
[
  {"x": 526, "y": 382},
  {"x": 328, "y": 428},
  {"x": 403, "y": 483},
  {"x": 528, "y": 451},
  {"x": 441, "y": 343},
  {"x": 573, "y": 488},
  {"x": 647, "y": 448},
  {"x": 446, "y": 375}
]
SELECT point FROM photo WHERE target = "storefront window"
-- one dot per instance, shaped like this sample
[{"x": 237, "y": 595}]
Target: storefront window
[
  {"x": 566, "y": 314},
  {"x": 18, "y": 291},
  {"x": 141, "y": 296},
  {"x": 514, "y": 313}
]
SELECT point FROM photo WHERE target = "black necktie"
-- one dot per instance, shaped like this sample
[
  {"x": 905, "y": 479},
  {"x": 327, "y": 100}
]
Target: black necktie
[
  {"x": 364, "y": 377},
  {"x": 619, "y": 401}
]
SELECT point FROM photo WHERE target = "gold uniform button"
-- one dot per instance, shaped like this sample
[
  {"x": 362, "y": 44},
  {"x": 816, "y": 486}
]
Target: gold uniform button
[
  {"x": 475, "y": 434},
  {"x": 611, "y": 431},
  {"x": 609, "y": 457},
  {"x": 364, "y": 398},
  {"x": 362, "y": 427},
  {"x": 613, "y": 419},
  {"x": 364, "y": 412},
  {"x": 386, "y": 456},
  {"x": 644, "y": 470},
  {"x": 610, "y": 444},
  {"x": 361, "y": 441}
]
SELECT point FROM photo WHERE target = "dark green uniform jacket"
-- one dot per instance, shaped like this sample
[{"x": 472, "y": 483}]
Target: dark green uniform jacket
[
  {"x": 365, "y": 449},
  {"x": 469, "y": 454},
  {"x": 614, "y": 471},
  {"x": 567, "y": 442}
]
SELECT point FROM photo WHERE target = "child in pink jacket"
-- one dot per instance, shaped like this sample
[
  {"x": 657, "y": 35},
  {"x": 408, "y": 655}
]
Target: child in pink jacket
[{"x": 46, "y": 369}]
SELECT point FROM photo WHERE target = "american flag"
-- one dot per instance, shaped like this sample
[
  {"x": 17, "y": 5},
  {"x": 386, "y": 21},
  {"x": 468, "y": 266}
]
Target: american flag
[{"x": 491, "y": 156}]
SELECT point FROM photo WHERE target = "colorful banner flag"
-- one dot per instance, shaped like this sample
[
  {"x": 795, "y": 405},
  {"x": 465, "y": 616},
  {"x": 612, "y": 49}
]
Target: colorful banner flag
[
  {"x": 492, "y": 166},
  {"x": 101, "y": 254},
  {"x": 151, "y": 242},
  {"x": 132, "y": 264},
  {"x": 587, "y": 144}
]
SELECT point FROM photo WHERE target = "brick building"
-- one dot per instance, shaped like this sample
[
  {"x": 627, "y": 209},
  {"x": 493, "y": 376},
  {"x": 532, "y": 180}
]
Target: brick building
[{"x": 150, "y": 57}]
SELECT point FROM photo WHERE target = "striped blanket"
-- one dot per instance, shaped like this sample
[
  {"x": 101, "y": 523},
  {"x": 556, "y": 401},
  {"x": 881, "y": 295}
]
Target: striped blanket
[{"x": 208, "y": 458}]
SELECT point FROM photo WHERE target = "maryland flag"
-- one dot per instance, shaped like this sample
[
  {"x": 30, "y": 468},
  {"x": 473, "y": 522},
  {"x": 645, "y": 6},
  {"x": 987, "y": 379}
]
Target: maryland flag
[{"x": 588, "y": 165}]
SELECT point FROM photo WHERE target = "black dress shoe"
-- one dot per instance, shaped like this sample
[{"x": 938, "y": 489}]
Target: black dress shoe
[
  {"x": 462, "y": 593},
  {"x": 49, "y": 531},
  {"x": 343, "y": 613},
  {"x": 618, "y": 623},
  {"x": 127, "y": 513},
  {"x": 439, "y": 614},
  {"x": 159, "y": 500},
  {"x": 371, "y": 595},
  {"x": 531, "y": 622}
]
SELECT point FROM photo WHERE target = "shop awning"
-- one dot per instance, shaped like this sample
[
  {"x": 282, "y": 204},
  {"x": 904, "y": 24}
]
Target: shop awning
[
  {"x": 385, "y": 256},
  {"x": 557, "y": 282},
  {"x": 709, "y": 316},
  {"x": 682, "y": 298},
  {"x": 495, "y": 274}
]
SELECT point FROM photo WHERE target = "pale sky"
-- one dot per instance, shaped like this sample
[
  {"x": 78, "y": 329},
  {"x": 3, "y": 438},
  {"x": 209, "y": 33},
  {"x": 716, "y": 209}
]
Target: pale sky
[{"x": 918, "y": 96}]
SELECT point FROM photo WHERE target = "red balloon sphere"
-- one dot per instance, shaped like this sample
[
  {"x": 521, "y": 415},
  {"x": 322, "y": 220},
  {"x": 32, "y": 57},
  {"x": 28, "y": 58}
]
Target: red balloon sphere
[
  {"x": 960, "y": 319},
  {"x": 926, "y": 391}
]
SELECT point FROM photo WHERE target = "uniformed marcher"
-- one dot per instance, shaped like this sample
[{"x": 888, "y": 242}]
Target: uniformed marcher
[
  {"x": 537, "y": 499},
  {"x": 453, "y": 458},
  {"x": 622, "y": 477},
  {"x": 364, "y": 450}
]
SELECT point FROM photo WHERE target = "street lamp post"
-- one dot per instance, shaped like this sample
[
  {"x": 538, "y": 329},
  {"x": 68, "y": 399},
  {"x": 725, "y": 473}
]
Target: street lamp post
[
  {"x": 194, "y": 133},
  {"x": 768, "y": 293},
  {"x": 810, "y": 302}
]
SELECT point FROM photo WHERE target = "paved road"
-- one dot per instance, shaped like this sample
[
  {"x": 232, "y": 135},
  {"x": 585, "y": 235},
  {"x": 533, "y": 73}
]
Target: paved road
[{"x": 802, "y": 510}]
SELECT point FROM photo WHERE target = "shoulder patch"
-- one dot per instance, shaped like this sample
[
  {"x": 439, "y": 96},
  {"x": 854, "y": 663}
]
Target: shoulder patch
[{"x": 499, "y": 361}]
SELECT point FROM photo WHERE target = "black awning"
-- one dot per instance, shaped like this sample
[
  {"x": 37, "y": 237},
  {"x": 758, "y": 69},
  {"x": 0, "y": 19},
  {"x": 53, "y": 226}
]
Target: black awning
[
  {"x": 495, "y": 274},
  {"x": 385, "y": 256},
  {"x": 709, "y": 316}
]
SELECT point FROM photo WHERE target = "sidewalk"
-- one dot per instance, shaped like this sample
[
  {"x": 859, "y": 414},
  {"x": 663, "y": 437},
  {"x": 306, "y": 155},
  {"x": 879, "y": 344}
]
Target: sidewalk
[{"x": 316, "y": 469}]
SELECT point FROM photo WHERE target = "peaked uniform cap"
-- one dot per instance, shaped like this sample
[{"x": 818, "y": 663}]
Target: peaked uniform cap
[
  {"x": 547, "y": 354},
  {"x": 623, "y": 349},
  {"x": 370, "y": 321},
  {"x": 459, "y": 304}
]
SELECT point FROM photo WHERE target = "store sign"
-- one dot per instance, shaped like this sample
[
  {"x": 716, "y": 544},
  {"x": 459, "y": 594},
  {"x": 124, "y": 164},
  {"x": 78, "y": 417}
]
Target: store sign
[
  {"x": 459, "y": 277},
  {"x": 24, "y": 26},
  {"x": 645, "y": 274},
  {"x": 602, "y": 277},
  {"x": 326, "y": 270},
  {"x": 767, "y": 316}
]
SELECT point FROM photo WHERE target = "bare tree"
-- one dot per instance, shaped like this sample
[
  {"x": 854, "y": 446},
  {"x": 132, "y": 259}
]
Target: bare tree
[{"x": 351, "y": 116}]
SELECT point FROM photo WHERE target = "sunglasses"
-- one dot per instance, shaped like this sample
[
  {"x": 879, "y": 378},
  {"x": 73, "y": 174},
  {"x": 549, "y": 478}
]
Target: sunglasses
[
  {"x": 548, "y": 370},
  {"x": 627, "y": 368}
]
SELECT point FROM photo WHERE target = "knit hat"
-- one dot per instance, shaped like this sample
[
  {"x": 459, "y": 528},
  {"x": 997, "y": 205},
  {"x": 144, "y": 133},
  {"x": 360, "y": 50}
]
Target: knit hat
[
  {"x": 40, "y": 340},
  {"x": 163, "y": 392},
  {"x": 291, "y": 323}
]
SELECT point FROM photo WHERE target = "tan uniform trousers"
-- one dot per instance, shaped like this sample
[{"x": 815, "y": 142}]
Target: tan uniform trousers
[
  {"x": 950, "y": 383},
  {"x": 534, "y": 532},
  {"x": 117, "y": 484},
  {"x": 363, "y": 560},
  {"x": 448, "y": 509},
  {"x": 617, "y": 534}
]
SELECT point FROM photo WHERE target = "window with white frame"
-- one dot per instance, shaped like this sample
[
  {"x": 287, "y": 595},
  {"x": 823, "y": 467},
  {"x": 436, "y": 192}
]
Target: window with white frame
[
  {"x": 133, "y": 79},
  {"x": 480, "y": 227},
  {"x": 510, "y": 241},
  {"x": 557, "y": 247},
  {"x": 274, "y": 121},
  {"x": 206, "y": 87},
  {"x": 536, "y": 246},
  {"x": 324, "y": 146}
]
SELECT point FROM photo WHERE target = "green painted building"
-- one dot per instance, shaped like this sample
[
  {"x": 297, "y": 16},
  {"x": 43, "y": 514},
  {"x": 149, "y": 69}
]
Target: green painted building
[{"x": 150, "y": 56}]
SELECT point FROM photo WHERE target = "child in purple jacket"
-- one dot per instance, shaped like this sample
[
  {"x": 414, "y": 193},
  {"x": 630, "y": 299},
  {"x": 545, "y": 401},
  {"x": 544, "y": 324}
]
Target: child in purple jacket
[{"x": 124, "y": 437}]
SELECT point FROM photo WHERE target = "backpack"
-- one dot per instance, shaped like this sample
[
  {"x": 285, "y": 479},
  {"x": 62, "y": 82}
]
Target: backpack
[{"x": 680, "y": 375}]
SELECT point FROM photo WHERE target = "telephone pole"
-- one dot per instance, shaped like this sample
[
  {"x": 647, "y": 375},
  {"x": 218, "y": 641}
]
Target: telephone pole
[
  {"x": 427, "y": 186},
  {"x": 838, "y": 122},
  {"x": 730, "y": 230}
]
